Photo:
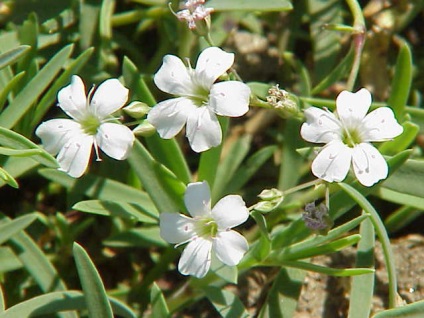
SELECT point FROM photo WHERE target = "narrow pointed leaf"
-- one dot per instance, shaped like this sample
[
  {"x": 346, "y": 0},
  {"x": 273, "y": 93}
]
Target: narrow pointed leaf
[
  {"x": 98, "y": 304},
  {"x": 26, "y": 98}
]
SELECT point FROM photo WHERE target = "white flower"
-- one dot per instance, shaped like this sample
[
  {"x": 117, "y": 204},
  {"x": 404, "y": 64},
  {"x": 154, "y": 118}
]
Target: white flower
[
  {"x": 347, "y": 134},
  {"x": 73, "y": 139},
  {"x": 207, "y": 230},
  {"x": 200, "y": 98}
]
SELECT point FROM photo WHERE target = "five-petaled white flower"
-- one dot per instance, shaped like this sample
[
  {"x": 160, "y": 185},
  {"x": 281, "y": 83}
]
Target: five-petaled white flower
[
  {"x": 200, "y": 98},
  {"x": 73, "y": 139},
  {"x": 347, "y": 134},
  {"x": 208, "y": 230}
]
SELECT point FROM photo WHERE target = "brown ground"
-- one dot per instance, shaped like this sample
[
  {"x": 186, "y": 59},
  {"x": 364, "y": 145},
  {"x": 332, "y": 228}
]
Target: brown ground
[{"x": 328, "y": 297}]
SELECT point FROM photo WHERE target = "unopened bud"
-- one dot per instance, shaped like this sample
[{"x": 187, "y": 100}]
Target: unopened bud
[
  {"x": 137, "y": 109},
  {"x": 145, "y": 129},
  {"x": 270, "y": 194},
  {"x": 271, "y": 199}
]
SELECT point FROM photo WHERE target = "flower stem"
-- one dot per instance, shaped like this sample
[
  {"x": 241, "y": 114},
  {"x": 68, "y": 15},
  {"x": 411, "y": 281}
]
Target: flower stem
[{"x": 359, "y": 34}]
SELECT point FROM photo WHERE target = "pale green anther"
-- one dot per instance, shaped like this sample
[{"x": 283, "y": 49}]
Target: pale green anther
[{"x": 90, "y": 124}]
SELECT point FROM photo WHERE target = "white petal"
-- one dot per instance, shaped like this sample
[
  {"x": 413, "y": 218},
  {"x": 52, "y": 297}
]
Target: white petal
[
  {"x": 211, "y": 64},
  {"x": 321, "y": 126},
  {"x": 381, "y": 125},
  {"x": 73, "y": 158},
  {"x": 333, "y": 162},
  {"x": 197, "y": 199},
  {"x": 352, "y": 107},
  {"x": 368, "y": 164},
  {"x": 110, "y": 96},
  {"x": 170, "y": 116},
  {"x": 176, "y": 228},
  {"x": 115, "y": 140},
  {"x": 229, "y": 247},
  {"x": 229, "y": 212},
  {"x": 203, "y": 129},
  {"x": 196, "y": 258},
  {"x": 55, "y": 133},
  {"x": 173, "y": 77},
  {"x": 229, "y": 98},
  {"x": 72, "y": 99}
]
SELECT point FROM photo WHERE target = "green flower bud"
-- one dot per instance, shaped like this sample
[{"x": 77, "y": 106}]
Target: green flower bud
[{"x": 137, "y": 109}]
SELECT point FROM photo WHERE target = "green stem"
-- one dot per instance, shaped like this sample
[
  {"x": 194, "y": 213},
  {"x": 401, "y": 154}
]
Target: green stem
[
  {"x": 381, "y": 234},
  {"x": 358, "y": 41}
]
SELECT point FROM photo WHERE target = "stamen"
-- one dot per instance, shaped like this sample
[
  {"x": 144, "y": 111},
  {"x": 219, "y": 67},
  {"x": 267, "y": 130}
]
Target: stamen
[{"x": 96, "y": 149}]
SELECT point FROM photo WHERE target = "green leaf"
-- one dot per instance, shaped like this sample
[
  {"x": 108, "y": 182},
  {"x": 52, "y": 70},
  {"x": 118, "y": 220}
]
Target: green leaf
[
  {"x": 2, "y": 303},
  {"x": 402, "y": 80},
  {"x": 401, "y": 198},
  {"x": 137, "y": 237},
  {"x": 407, "y": 179},
  {"x": 290, "y": 171},
  {"x": 226, "y": 303},
  {"x": 250, "y": 5},
  {"x": 13, "y": 55},
  {"x": 11, "y": 228},
  {"x": 168, "y": 152},
  {"x": 210, "y": 159},
  {"x": 116, "y": 208},
  {"x": 401, "y": 142},
  {"x": 47, "y": 304},
  {"x": 8, "y": 260},
  {"x": 402, "y": 217},
  {"x": 50, "y": 96},
  {"x": 333, "y": 234},
  {"x": 229, "y": 164},
  {"x": 11, "y": 86},
  {"x": 101, "y": 188},
  {"x": 362, "y": 288},
  {"x": 17, "y": 166},
  {"x": 7, "y": 177},
  {"x": 339, "y": 72},
  {"x": 98, "y": 304},
  {"x": 158, "y": 303},
  {"x": 325, "y": 43},
  {"x": 338, "y": 272},
  {"x": 259, "y": 89},
  {"x": 26, "y": 98},
  {"x": 414, "y": 310},
  {"x": 35, "y": 261},
  {"x": 382, "y": 235},
  {"x": 14, "y": 140},
  {"x": 284, "y": 294},
  {"x": 249, "y": 168},
  {"x": 165, "y": 190},
  {"x": 227, "y": 273},
  {"x": 331, "y": 247}
]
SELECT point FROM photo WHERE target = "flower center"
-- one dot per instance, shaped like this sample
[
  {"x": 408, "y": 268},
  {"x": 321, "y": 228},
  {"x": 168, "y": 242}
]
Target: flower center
[
  {"x": 90, "y": 124},
  {"x": 206, "y": 227},
  {"x": 351, "y": 137}
]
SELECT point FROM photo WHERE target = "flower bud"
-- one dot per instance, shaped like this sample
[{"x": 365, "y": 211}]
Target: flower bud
[
  {"x": 271, "y": 199},
  {"x": 145, "y": 129},
  {"x": 137, "y": 109},
  {"x": 270, "y": 194}
]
